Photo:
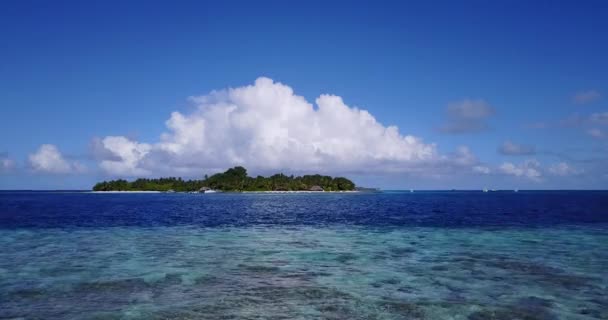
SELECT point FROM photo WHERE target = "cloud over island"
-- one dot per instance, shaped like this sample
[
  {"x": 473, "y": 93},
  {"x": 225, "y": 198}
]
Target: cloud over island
[{"x": 267, "y": 126}]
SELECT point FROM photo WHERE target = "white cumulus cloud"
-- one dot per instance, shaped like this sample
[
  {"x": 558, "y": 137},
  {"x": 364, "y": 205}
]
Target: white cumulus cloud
[
  {"x": 121, "y": 156},
  {"x": 48, "y": 159},
  {"x": 528, "y": 169},
  {"x": 267, "y": 126}
]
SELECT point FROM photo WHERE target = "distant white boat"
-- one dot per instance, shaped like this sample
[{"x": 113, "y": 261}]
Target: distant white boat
[
  {"x": 485, "y": 190},
  {"x": 411, "y": 190},
  {"x": 206, "y": 190}
]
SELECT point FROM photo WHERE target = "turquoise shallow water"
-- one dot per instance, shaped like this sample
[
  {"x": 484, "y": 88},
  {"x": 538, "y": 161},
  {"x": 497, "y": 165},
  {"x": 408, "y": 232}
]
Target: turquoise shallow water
[{"x": 304, "y": 272}]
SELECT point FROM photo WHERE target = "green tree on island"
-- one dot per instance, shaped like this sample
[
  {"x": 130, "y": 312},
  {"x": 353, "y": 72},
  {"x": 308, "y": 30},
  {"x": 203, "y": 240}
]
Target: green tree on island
[{"x": 233, "y": 179}]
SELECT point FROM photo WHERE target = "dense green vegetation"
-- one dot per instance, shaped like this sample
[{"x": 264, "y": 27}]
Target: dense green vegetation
[
  {"x": 161, "y": 184},
  {"x": 234, "y": 179}
]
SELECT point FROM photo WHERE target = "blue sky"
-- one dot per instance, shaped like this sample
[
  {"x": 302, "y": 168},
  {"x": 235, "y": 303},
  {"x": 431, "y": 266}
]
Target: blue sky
[{"x": 501, "y": 94}]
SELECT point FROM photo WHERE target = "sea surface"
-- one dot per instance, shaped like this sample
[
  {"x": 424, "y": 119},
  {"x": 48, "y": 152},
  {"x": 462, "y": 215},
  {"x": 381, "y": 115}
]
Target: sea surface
[{"x": 391, "y": 255}]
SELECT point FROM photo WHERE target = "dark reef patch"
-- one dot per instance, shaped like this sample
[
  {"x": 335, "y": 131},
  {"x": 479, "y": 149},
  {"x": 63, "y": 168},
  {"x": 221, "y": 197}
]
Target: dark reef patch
[
  {"x": 121, "y": 285},
  {"x": 29, "y": 293},
  {"x": 346, "y": 257},
  {"x": 511, "y": 313},
  {"x": 259, "y": 268},
  {"x": 542, "y": 273},
  {"x": 440, "y": 268},
  {"x": 401, "y": 251},
  {"x": 404, "y": 309}
]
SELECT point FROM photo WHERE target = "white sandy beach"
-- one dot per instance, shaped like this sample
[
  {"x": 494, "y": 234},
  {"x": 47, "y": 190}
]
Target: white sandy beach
[
  {"x": 126, "y": 191},
  {"x": 302, "y": 191}
]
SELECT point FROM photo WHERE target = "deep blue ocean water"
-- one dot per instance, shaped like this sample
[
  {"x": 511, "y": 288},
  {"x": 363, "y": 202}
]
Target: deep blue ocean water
[{"x": 390, "y": 255}]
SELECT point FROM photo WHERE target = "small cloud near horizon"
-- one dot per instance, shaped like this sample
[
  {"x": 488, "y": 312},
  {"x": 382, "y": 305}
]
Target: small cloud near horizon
[
  {"x": 528, "y": 169},
  {"x": 563, "y": 169}
]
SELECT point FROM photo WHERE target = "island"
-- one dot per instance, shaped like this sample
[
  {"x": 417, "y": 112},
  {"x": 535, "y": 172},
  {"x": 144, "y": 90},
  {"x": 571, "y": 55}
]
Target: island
[{"x": 232, "y": 180}]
